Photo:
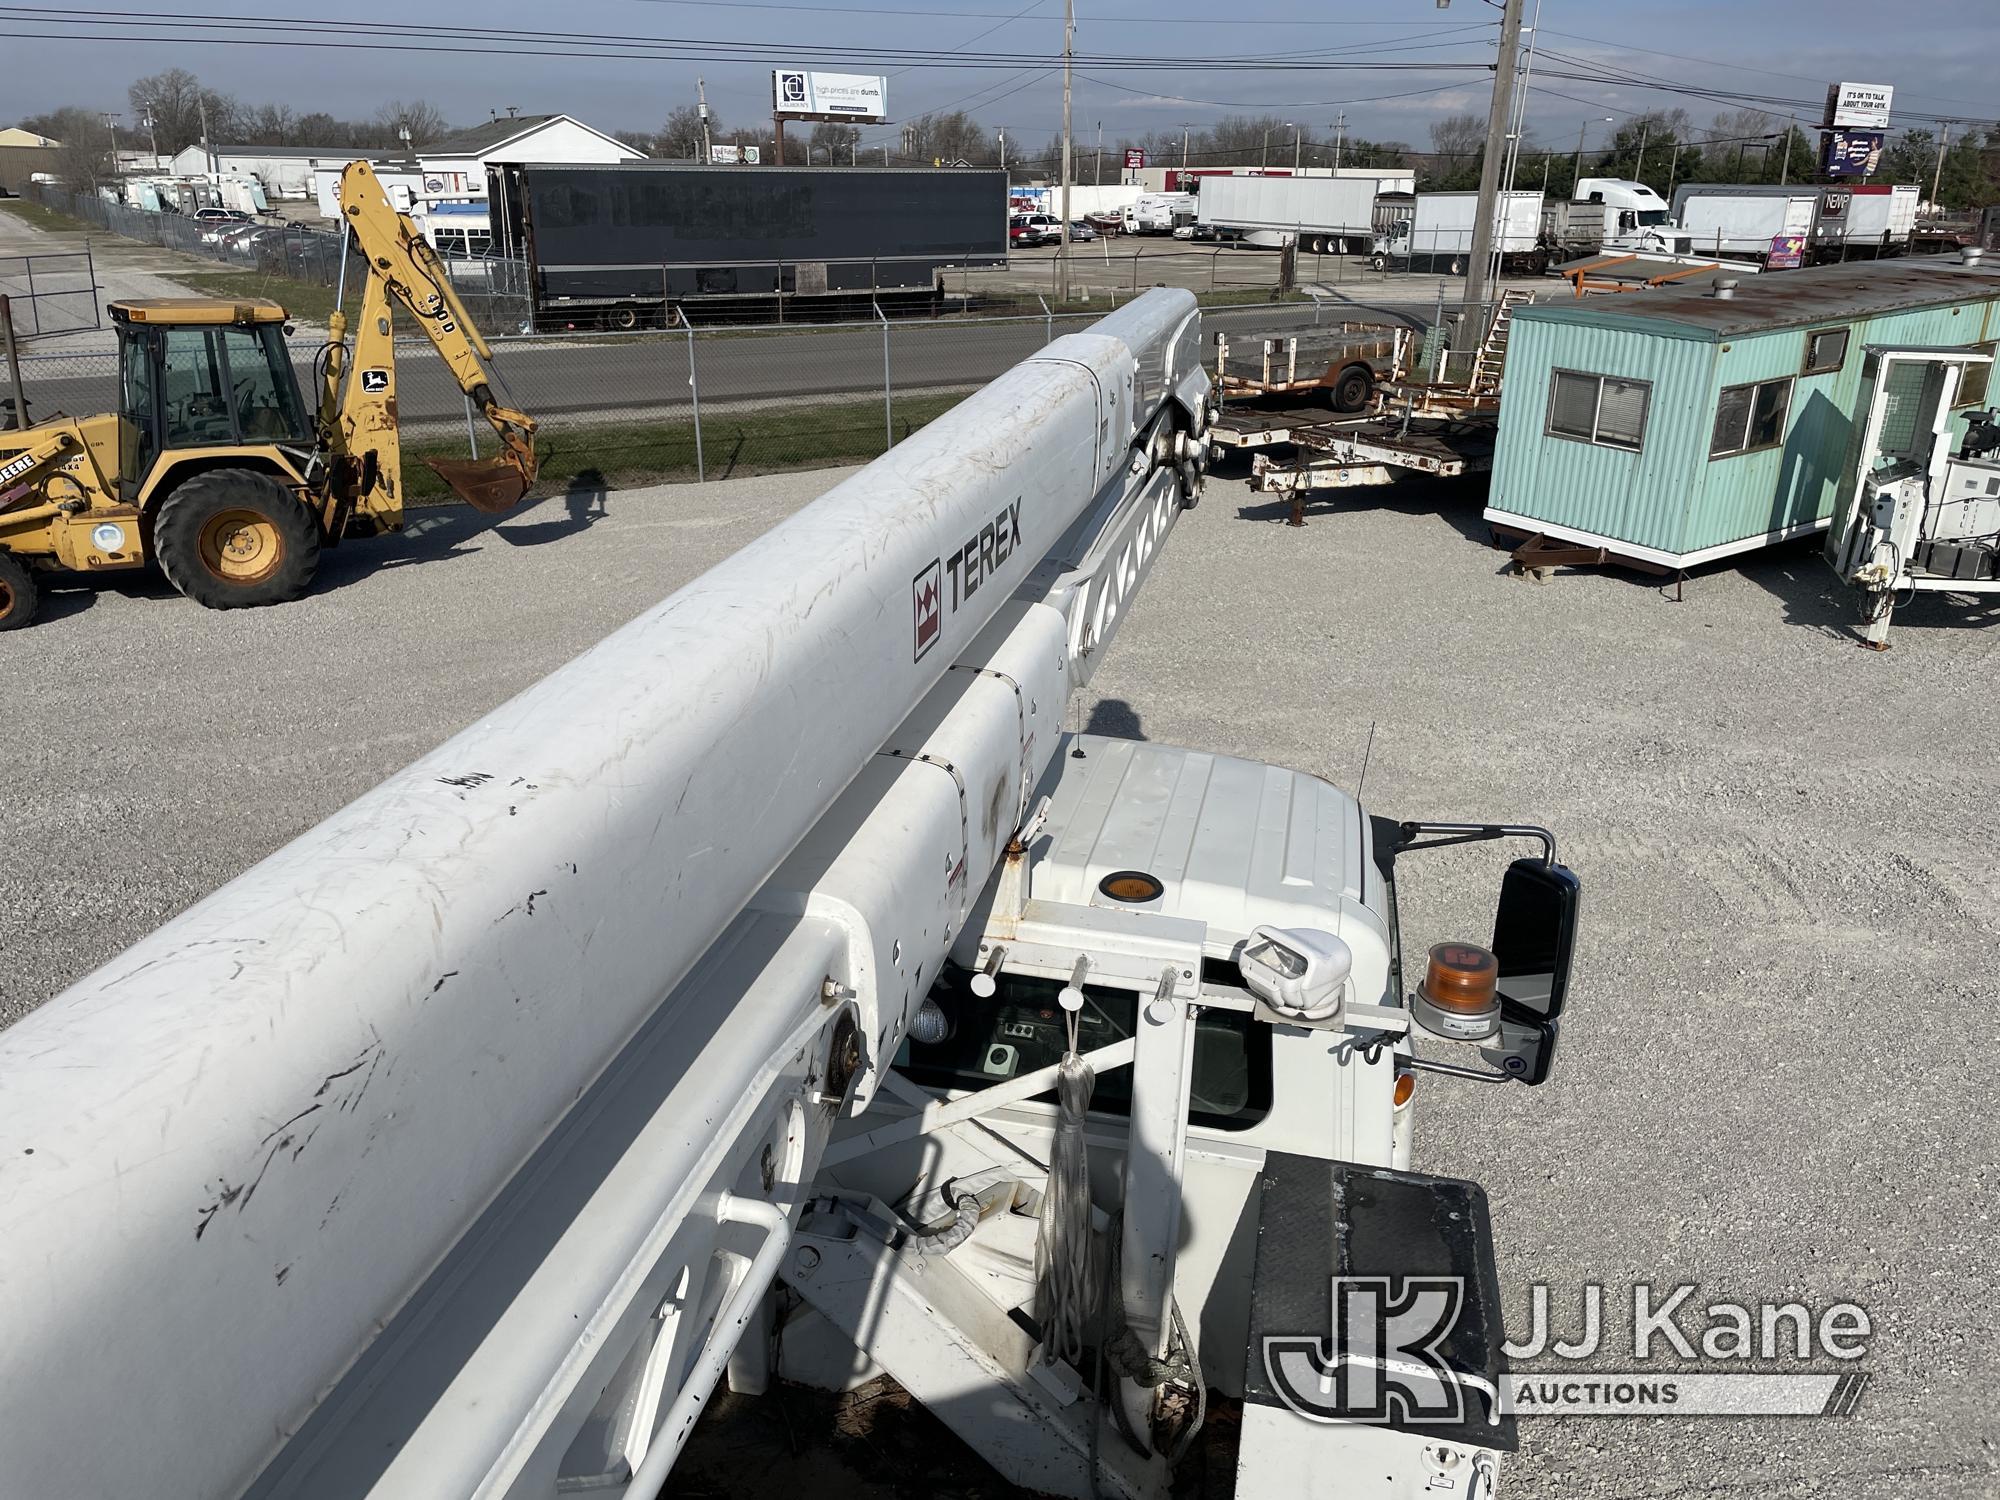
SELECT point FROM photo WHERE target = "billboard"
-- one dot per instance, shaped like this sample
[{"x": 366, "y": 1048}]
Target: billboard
[
  {"x": 730, "y": 156},
  {"x": 830, "y": 96},
  {"x": 1861, "y": 106},
  {"x": 1787, "y": 253},
  {"x": 1852, "y": 153}
]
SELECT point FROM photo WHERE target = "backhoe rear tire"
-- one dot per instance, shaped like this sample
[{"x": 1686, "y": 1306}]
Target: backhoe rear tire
[
  {"x": 18, "y": 593},
  {"x": 233, "y": 538}
]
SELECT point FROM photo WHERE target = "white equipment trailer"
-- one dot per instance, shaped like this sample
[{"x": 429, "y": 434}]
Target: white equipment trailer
[
  {"x": 1741, "y": 221},
  {"x": 1321, "y": 215},
  {"x": 1913, "y": 516},
  {"x": 458, "y": 1149}
]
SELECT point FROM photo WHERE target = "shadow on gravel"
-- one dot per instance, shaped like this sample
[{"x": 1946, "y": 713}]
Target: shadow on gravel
[
  {"x": 1458, "y": 503},
  {"x": 66, "y": 594},
  {"x": 1115, "y": 719},
  {"x": 438, "y": 533},
  {"x": 583, "y": 506},
  {"x": 1813, "y": 597}
]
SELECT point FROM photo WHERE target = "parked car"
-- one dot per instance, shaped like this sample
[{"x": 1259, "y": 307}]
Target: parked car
[
  {"x": 1033, "y": 229},
  {"x": 1080, "y": 232},
  {"x": 215, "y": 222}
]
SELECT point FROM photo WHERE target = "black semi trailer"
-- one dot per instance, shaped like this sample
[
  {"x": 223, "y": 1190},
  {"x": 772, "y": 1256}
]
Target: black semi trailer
[{"x": 651, "y": 243}]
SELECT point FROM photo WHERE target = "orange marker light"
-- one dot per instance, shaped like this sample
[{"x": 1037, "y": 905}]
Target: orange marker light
[
  {"x": 1406, "y": 1088},
  {"x": 1460, "y": 995}
]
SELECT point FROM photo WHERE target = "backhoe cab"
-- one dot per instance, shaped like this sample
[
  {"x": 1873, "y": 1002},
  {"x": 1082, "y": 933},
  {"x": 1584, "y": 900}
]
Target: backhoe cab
[{"x": 215, "y": 466}]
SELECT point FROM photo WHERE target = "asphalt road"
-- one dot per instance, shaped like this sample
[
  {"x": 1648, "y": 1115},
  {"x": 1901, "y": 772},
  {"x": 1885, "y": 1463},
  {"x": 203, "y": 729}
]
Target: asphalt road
[
  {"x": 585, "y": 376},
  {"x": 1777, "y": 1077}
]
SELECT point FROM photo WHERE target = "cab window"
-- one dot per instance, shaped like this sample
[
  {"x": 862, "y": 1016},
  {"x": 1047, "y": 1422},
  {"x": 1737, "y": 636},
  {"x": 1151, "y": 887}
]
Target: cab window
[
  {"x": 1021, "y": 1028},
  {"x": 196, "y": 389},
  {"x": 266, "y": 407}
]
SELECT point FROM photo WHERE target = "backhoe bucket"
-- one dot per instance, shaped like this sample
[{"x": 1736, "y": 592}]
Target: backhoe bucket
[{"x": 492, "y": 485}]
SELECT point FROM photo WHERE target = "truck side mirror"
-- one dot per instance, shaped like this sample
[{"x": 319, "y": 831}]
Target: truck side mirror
[
  {"x": 1534, "y": 938},
  {"x": 1534, "y": 935}
]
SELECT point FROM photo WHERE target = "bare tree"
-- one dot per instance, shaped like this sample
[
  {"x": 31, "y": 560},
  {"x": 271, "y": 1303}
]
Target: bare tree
[
  {"x": 1458, "y": 136},
  {"x": 175, "y": 101},
  {"x": 680, "y": 138},
  {"x": 423, "y": 119},
  {"x": 638, "y": 140},
  {"x": 837, "y": 139}
]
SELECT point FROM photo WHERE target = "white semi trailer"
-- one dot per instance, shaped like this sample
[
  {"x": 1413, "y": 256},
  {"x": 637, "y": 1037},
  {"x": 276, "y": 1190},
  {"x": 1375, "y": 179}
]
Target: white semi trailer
[
  {"x": 460, "y": 1147},
  {"x": 1321, "y": 215}
]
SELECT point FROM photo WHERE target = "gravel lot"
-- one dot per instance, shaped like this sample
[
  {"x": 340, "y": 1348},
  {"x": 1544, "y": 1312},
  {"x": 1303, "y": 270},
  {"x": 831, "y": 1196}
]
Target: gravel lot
[{"x": 1776, "y": 1082}]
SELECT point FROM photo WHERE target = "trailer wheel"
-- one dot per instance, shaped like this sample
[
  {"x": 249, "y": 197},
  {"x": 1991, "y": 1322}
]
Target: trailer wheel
[
  {"x": 624, "y": 319},
  {"x": 1352, "y": 391},
  {"x": 18, "y": 593},
  {"x": 1457, "y": 266},
  {"x": 1378, "y": 262},
  {"x": 232, "y": 538}
]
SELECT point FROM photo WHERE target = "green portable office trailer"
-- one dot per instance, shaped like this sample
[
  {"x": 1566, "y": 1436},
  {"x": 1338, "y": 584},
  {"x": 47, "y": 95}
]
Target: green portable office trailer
[{"x": 1674, "y": 426}]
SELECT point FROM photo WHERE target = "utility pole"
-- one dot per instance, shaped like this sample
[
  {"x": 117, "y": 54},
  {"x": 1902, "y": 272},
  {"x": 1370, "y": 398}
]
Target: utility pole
[
  {"x": 111, "y": 123},
  {"x": 1639, "y": 166},
  {"x": 1298, "y": 134},
  {"x": 1937, "y": 174},
  {"x": 152, "y": 134},
  {"x": 1100, "y": 154},
  {"x": 1264, "y": 161},
  {"x": 701, "y": 109},
  {"x": 1785, "y": 157},
  {"x": 1003, "y": 150},
  {"x": 1674, "y": 171},
  {"x": 1497, "y": 117},
  {"x": 1339, "y": 137},
  {"x": 207, "y": 146},
  {"x": 1062, "y": 249},
  {"x": 1184, "y": 139}
]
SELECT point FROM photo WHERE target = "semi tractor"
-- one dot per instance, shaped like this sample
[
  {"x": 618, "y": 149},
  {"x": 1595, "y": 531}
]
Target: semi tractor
[
  {"x": 647, "y": 244},
  {"x": 1613, "y": 213},
  {"x": 748, "y": 999}
]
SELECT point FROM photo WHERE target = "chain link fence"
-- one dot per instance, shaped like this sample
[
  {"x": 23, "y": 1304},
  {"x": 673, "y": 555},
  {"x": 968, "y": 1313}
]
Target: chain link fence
[
  {"x": 710, "y": 403},
  {"x": 55, "y": 293}
]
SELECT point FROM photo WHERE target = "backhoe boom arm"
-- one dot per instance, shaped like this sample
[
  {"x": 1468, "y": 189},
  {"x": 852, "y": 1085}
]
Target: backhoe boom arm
[{"x": 358, "y": 404}]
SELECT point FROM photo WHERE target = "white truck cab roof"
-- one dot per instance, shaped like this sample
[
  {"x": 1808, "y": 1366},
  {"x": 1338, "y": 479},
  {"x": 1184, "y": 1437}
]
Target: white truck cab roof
[{"x": 1234, "y": 843}]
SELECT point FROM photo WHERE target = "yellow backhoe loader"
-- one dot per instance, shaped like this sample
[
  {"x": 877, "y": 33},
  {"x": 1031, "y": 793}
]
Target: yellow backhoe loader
[{"x": 214, "y": 466}]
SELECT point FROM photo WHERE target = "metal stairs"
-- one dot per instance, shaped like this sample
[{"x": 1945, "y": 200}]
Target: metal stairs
[{"x": 1489, "y": 362}]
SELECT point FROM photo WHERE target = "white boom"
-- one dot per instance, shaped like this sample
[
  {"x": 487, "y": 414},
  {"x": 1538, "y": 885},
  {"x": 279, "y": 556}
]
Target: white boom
[{"x": 457, "y": 1141}]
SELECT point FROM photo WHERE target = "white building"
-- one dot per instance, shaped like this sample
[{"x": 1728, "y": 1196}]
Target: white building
[
  {"x": 455, "y": 168},
  {"x": 459, "y": 161},
  {"x": 285, "y": 171}
]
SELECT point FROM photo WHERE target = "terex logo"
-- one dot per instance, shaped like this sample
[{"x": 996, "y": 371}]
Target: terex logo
[
  {"x": 927, "y": 608},
  {"x": 969, "y": 567}
]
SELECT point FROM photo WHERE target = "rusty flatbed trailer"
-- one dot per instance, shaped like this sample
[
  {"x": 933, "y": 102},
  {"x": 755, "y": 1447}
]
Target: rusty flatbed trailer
[
  {"x": 1353, "y": 456},
  {"x": 1342, "y": 362}
]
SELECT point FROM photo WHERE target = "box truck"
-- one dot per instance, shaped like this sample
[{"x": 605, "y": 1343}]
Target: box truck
[
  {"x": 1436, "y": 233},
  {"x": 1742, "y": 219}
]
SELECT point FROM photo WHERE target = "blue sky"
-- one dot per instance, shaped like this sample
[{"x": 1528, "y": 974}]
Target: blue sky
[{"x": 1936, "y": 53}]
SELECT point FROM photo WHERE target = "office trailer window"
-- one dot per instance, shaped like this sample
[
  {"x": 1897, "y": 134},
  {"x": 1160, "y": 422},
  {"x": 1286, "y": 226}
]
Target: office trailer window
[
  {"x": 1608, "y": 410},
  {"x": 1751, "y": 417},
  {"x": 1977, "y": 380},
  {"x": 1826, "y": 351}
]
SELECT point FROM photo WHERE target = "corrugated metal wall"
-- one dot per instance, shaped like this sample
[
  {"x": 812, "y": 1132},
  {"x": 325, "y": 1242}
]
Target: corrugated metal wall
[
  {"x": 1639, "y": 497},
  {"x": 1750, "y": 495},
  {"x": 1670, "y": 496}
]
